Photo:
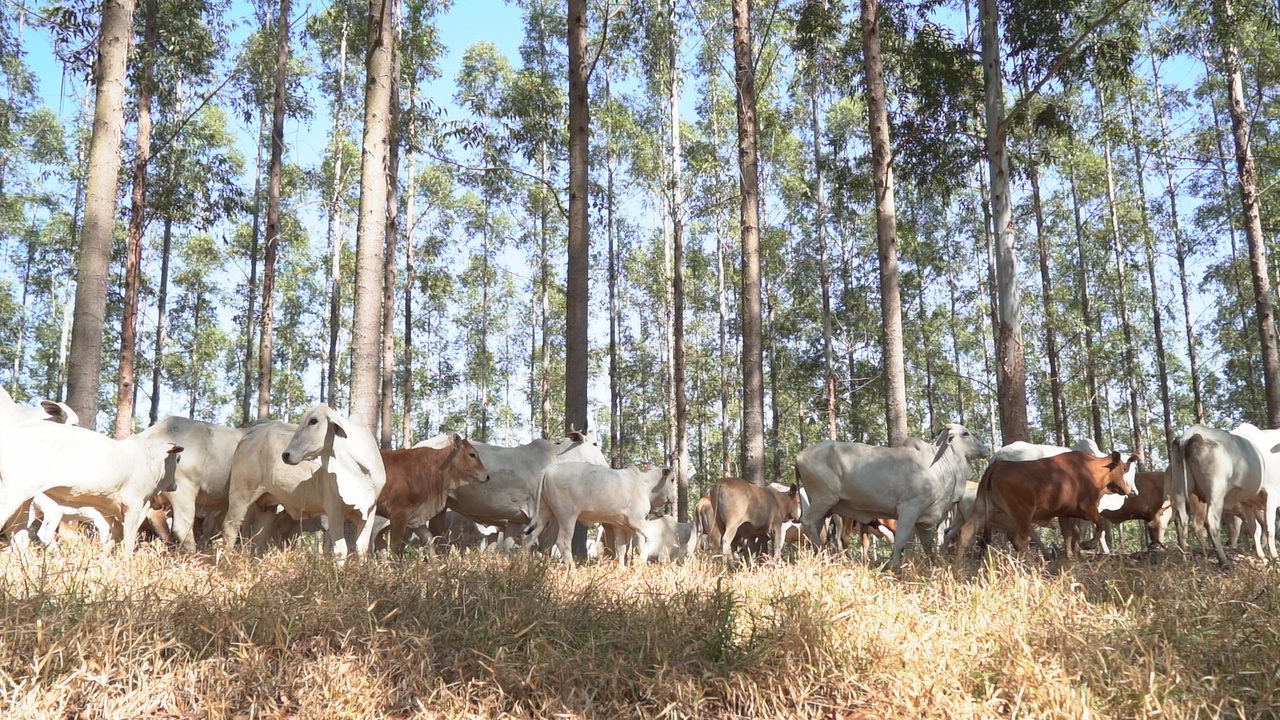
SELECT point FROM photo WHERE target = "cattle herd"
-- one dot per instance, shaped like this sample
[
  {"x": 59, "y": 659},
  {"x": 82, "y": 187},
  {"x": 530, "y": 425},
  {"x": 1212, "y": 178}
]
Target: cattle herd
[{"x": 188, "y": 481}]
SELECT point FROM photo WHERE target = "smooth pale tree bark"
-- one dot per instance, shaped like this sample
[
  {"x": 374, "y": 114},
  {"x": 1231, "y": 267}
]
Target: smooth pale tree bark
[
  {"x": 894, "y": 363},
  {"x": 84, "y": 363},
  {"x": 1251, "y": 207},
  {"x": 677, "y": 277},
  {"x": 610, "y": 228},
  {"x": 954, "y": 326},
  {"x": 1086, "y": 314},
  {"x": 1237, "y": 281},
  {"x": 749, "y": 214},
  {"x": 137, "y": 224},
  {"x": 722, "y": 310},
  {"x": 275, "y": 178},
  {"x": 162, "y": 302},
  {"x": 410, "y": 224},
  {"x": 387, "y": 392},
  {"x": 334, "y": 208},
  {"x": 1050, "y": 321},
  {"x": 824, "y": 270},
  {"x": 1179, "y": 242},
  {"x": 1010, "y": 361},
  {"x": 577, "y": 295},
  {"x": 366, "y": 345},
  {"x": 1149, "y": 239},
  {"x": 1122, "y": 302},
  {"x": 250, "y": 383}
]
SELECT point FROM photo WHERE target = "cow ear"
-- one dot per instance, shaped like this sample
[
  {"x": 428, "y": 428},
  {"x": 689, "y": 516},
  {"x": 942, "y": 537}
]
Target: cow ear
[
  {"x": 338, "y": 426},
  {"x": 175, "y": 449},
  {"x": 1114, "y": 459},
  {"x": 1132, "y": 459},
  {"x": 794, "y": 489},
  {"x": 53, "y": 410}
]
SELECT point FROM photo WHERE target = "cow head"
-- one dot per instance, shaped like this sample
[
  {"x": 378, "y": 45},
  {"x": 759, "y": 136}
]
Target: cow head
[
  {"x": 664, "y": 490},
  {"x": 966, "y": 444},
  {"x": 793, "y": 503},
  {"x": 1119, "y": 474},
  {"x": 463, "y": 461},
  {"x": 168, "y": 454},
  {"x": 580, "y": 446},
  {"x": 315, "y": 435}
]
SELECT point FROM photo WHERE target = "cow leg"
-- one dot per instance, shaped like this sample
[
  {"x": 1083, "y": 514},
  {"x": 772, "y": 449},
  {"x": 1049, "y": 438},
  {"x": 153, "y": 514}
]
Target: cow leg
[
  {"x": 864, "y": 539},
  {"x": 906, "y": 526},
  {"x": 51, "y": 518},
  {"x": 238, "y": 506},
  {"x": 564, "y": 539},
  {"x": 183, "y": 502},
  {"x": 726, "y": 539},
  {"x": 399, "y": 519},
  {"x": 811, "y": 520},
  {"x": 364, "y": 533},
  {"x": 133, "y": 516},
  {"x": 1213, "y": 523},
  {"x": 927, "y": 532}
]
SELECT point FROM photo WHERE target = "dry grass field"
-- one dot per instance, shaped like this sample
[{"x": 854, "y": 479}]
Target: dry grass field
[{"x": 294, "y": 635}]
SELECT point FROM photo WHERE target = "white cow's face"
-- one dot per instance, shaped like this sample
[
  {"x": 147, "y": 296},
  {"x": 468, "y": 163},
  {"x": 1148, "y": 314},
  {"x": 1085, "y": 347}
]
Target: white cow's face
[
  {"x": 316, "y": 432},
  {"x": 966, "y": 443},
  {"x": 580, "y": 446}
]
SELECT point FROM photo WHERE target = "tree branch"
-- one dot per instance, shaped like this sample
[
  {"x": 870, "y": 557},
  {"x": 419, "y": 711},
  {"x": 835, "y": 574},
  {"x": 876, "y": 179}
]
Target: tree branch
[
  {"x": 555, "y": 193},
  {"x": 1057, "y": 64},
  {"x": 604, "y": 39}
]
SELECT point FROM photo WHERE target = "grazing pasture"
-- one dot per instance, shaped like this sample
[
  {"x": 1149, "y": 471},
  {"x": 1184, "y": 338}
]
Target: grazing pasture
[{"x": 293, "y": 634}]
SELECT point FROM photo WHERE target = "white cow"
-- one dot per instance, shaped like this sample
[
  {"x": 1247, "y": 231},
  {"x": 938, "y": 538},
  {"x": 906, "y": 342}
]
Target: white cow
[
  {"x": 510, "y": 496},
  {"x": 915, "y": 484},
  {"x": 326, "y": 465},
  {"x": 76, "y": 467},
  {"x": 12, "y": 413},
  {"x": 205, "y": 474},
  {"x": 665, "y": 539},
  {"x": 588, "y": 493},
  {"x": 1227, "y": 469}
]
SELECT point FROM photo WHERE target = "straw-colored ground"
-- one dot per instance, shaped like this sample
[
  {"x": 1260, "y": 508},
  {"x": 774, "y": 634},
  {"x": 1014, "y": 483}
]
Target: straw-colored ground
[{"x": 292, "y": 634}]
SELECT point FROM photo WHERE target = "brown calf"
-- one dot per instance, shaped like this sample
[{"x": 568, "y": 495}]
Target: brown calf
[
  {"x": 1035, "y": 491},
  {"x": 419, "y": 481},
  {"x": 741, "y": 507}
]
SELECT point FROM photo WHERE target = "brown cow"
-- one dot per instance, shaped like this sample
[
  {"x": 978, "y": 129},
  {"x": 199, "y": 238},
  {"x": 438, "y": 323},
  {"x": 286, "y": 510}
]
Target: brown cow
[
  {"x": 419, "y": 480},
  {"x": 741, "y": 507},
  {"x": 1148, "y": 505},
  {"x": 1034, "y": 491}
]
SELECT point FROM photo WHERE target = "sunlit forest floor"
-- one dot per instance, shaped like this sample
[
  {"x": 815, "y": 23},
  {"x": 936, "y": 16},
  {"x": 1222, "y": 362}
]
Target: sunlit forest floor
[{"x": 294, "y": 635}]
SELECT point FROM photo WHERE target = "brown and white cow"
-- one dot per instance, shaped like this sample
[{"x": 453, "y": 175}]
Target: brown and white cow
[
  {"x": 742, "y": 508},
  {"x": 1035, "y": 491},
  {"x": 419, "y": 480}
]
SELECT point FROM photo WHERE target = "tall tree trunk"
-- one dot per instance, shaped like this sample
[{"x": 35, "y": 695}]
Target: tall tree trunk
[
  {"x": 392, "y": 235},
  {"x": 993, "y": 305},
  {"x": 1179, "y": 244},
  {"x": 615, "y": 380},
  {"x": 335, "y": 229},
  {"x": 266, "y": 332},
  {"x": 894, "y": 364},
  {"x": 1050, "y": 320},
  {"x": 930, "y": 405},
  {"x": 85, "y": 361},
  {"x": 366, "y": 350},
  {"x": 250, "y": 318},
  {"x": 722, "y": 307},
  {"x": 1149, "y": 236},
  {"x": 1122, "y": 291},
  {"x": 824, "y": 270},
  {"x": 1086, "y": 316},
  {"x": 410, "y": 224},
  {"x": 137, "y": 226},
  {"x": 1237, "y": 282},
  {"x": 1010, "y": 362},
  {"x": 577, "y": 295},
  {"x": 955, "y": 342},
  {"x": 1251, "y": 206},
  {"x": 749, "y": 212},
  {"x": 677, "y": 281},
  {"x": 162, "y": 301}
]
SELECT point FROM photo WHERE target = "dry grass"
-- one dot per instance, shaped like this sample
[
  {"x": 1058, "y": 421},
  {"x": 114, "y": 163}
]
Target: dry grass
[{"x": 291, "y": 634}]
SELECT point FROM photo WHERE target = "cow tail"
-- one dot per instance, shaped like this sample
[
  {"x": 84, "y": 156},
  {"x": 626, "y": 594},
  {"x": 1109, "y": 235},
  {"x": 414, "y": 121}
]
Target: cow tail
[{"x": 537, "y": 506}]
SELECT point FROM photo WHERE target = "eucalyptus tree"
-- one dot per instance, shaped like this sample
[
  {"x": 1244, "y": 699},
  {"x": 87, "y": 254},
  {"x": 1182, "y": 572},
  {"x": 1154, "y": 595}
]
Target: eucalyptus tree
[
  {"x": 366, "y": 348},
  {"x": 334, "y": 30},
  {"x": 85, "y": 359},
  {"x": 1226, "y": 27},
  {"x": 198, "y": 294},
  {"x": 144, "y": 82},
  {"x": 577, "y": 297},
  {"x": 749, "y": 219}
]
